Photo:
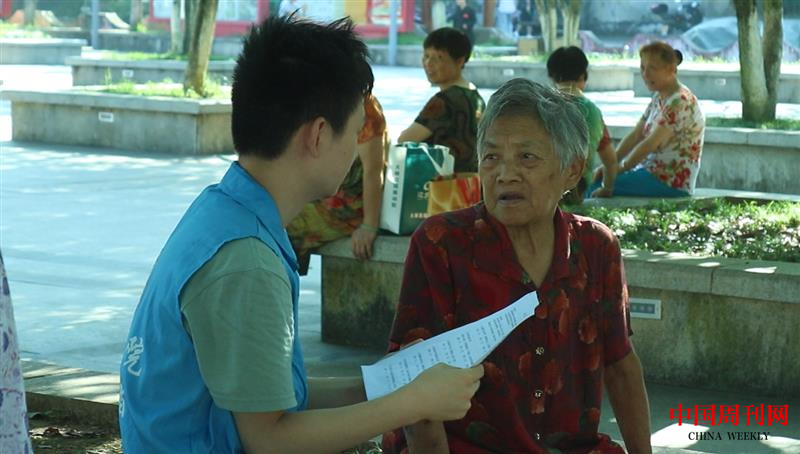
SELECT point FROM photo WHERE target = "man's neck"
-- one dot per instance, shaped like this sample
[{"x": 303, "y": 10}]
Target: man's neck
[{"x": 279, "y": 177}]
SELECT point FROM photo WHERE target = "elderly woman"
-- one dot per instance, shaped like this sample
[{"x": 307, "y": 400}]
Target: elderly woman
[
  {"x": 661, "y": 156},
  {"x": 451, "y": 117},
  {"x": 543, "y": 385},
  {"x": 568, "y": 67}
]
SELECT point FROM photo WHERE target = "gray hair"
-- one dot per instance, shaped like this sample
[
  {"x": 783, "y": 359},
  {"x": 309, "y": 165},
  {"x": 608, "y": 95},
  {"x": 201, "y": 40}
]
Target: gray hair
[{"x": 559, "y": 114}]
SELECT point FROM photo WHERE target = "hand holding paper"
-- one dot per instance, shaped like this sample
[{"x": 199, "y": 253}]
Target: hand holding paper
[{"x": 462, "y": 347}]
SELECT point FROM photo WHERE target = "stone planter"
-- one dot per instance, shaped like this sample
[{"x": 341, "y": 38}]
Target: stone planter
[
  {"x": 726, "y": 323},
  {"x": 127, "y": 122},
  {"x": 39, "y": 51},
  {"x": 159, "y": 43},
  {"x": 493, "y": 73},
  {"x": 93, "y": 71},
  {"x": 408, "y": 55},
  {"x": 722, "y": 85},
  {"x": 745, "y": 159}
]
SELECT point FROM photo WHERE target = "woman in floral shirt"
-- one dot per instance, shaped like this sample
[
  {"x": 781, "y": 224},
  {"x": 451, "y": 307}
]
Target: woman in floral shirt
[
  {"x": 661, "y": 156},
  {"x": 543, "y": 385},
  {"x": 355, "y": 208}
]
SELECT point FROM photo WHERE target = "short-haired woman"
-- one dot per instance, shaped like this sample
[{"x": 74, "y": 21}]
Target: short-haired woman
[
  {"x": 568, "y": 67},
  {"x": 661, "y": 156},
  {"x": 450, "y": 117}
]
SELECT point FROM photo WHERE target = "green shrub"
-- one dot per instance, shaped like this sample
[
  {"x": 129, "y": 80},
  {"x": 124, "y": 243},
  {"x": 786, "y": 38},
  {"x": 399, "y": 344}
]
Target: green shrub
[{"x": 717, "y": 227}]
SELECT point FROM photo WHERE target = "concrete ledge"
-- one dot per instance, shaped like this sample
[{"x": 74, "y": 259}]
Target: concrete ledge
[
  {"x": 744, "y": 158},
  {"x": 95, "y": 71},
  {"x": 411, "y": 55},
  {"x": 494, "y": 73},
  {"x": 38, "y": 51},
  {"x": 159, "y": 42},
  {"x": 721, "y": 85},
  {"x": 90, "y": 397},
  {"x": 92, "y": 118}
]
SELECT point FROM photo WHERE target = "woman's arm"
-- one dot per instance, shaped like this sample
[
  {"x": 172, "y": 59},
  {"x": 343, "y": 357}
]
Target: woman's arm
[
  {"x": 610, "y": 169},
  {"x": 427, "y": 437},
  {"x": 371, "y": 154},
  {"x": 414, "y": 133},
  {"x": 628, "y": 397},
  {"x": 650, "y": 144},
  {"x": 630, "y": 141}
]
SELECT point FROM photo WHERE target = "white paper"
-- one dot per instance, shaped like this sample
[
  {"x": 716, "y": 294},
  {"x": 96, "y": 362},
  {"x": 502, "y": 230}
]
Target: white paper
[{"x": 465, "y": 346}]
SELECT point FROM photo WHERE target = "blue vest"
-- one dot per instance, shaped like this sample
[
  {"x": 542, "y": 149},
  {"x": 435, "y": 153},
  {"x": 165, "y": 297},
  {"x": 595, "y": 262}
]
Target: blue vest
[{"x": 164, "y": 404}]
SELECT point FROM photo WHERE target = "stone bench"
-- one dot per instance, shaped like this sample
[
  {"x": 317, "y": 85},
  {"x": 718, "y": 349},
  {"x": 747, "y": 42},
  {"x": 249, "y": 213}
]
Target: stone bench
[
  {"x": 88, "y": 117},
  {"x": 99, "y": 71},
  {"x": 44, "y": 51},
  {"x": 697, "y": 320}
]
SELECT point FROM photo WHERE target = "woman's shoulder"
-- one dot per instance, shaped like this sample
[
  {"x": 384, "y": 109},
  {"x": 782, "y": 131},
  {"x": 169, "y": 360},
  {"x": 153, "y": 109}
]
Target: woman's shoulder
[
  {"x": 585, "y": 228},
  {"x": 450, "y": 225}
]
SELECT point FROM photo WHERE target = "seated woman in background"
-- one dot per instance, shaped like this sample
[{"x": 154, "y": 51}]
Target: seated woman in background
[
  {"x": 355, "y": 209},
  {"x": 543, "y": 385},
  {"x": 567, "y": 67},
  {"x": 661, "y": 156},
  {"x": 450, "y": 117}
]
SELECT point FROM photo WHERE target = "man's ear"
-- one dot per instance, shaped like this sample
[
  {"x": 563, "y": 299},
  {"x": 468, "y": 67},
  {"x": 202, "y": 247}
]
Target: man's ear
[
  {"x": 312, "y": 134},
  {"x": 574, "y": 172}
]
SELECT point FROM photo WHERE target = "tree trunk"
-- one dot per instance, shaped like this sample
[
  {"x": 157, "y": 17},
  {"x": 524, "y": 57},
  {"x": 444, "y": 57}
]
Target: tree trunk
[
  {"x": 488, "y": 13},
  {"x": 188, "y": 25},
  {"x": 773, "y": 50},
  {"x": 548, "y": 19},
  {"x": 30, "y": 12},
  {"x": 757, "y": 102},
  {"x": 136, "y": 14},
  {"x": 571, "y": 12},
  {"x": 204, "y": 22},
  {"x": 176, "y": 37}
]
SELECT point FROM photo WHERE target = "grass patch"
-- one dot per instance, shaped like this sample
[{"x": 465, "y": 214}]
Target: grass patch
[
  {"x": 142, "y": 56},
  {"x": 168, "y": 89},
  {"x": 8, "y": 30},
  {"x": 717, "y": 227},
  {"x": 782, "y": 124}
]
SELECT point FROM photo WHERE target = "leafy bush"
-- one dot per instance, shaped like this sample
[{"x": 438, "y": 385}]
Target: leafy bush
[
  {"x": 784, "y": 124},
  {"x": 718, "y": 227}
]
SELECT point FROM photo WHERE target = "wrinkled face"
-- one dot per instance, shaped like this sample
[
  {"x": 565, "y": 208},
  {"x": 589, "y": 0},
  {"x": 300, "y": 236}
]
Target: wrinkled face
[
  {"x": 342, "y": 150},
  {"x": 521, "y": 173},
  {"x": 440, "y": 67},
  {"x": 656, "y": 74}
]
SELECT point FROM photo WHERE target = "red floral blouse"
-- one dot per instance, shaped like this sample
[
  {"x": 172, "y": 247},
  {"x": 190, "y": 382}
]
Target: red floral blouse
[{"x": 543, "y": 386}]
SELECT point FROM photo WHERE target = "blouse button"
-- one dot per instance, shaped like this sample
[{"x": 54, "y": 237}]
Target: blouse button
[
  {"x": 538, "y": 394},
  {"x": 537, "y": 436},
  {"x": 540, "y": 351}
]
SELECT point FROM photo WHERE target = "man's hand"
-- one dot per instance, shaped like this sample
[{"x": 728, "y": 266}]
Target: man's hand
[
  {"x": 363, "y": 239},
  {"x": 443, "y": 393}
]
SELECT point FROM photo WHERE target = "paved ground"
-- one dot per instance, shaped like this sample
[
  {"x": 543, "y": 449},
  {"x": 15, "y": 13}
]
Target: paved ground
[{"x": 80, "y": 229}]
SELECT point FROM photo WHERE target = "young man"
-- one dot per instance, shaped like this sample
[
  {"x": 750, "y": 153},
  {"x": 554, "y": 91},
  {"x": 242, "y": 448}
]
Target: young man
[{"x": 213, "y": 362}]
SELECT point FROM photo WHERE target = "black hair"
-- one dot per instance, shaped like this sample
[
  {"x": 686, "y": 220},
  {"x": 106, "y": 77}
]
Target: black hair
[
  {"x": 290, "y": 72},
  {"x": 567, "y": 64},
  {"x": 453, "y": 41}
]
